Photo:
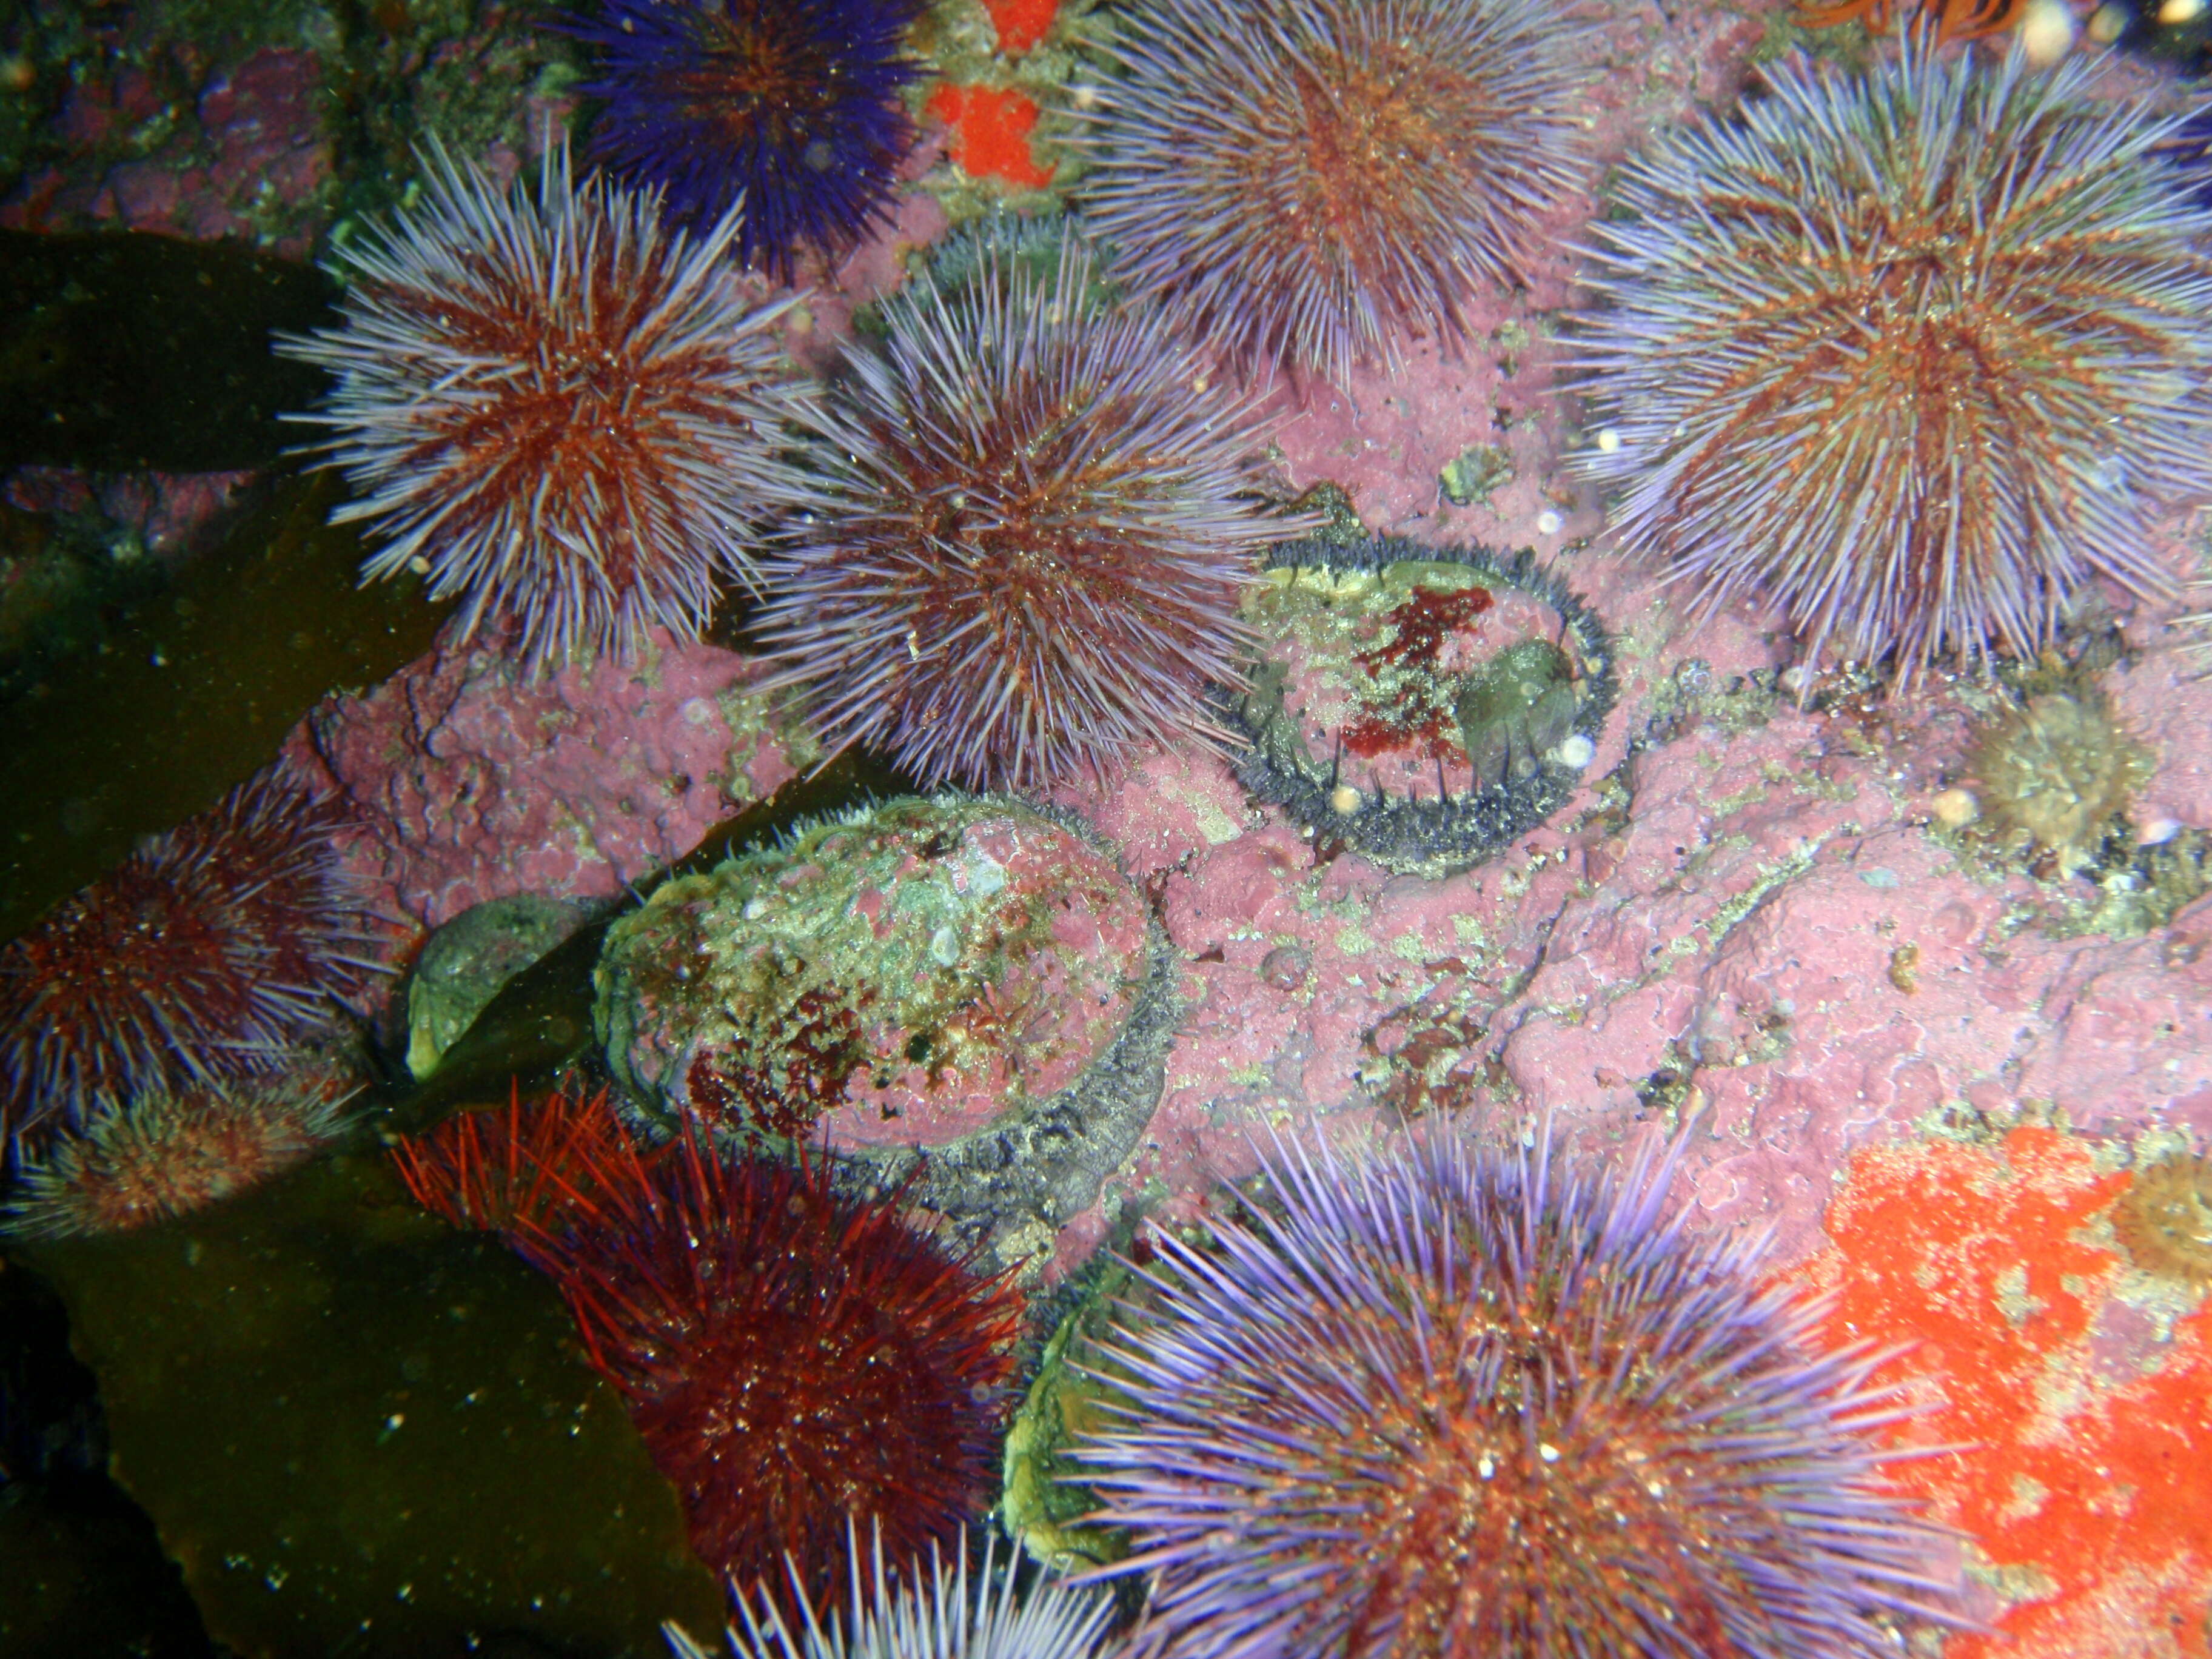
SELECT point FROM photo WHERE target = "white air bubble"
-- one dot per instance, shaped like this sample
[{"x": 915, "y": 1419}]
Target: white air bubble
[{"x": 1548, "y": 523}]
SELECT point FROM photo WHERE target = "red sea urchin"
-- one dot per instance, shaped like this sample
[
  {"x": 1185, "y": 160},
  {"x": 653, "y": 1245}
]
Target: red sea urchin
[
  {"x": 555, "y": 409},
  {"x": 1310, "y": 181},
  {"x": 1042, "y": 518},
  {"x": 795, "y": 1357},
  {"x": 1460, "y": 1403},
  {"x": 1914, "y": 355},
  {"x": 204, "y": 957},
  {"x": 791, "y": 107}
]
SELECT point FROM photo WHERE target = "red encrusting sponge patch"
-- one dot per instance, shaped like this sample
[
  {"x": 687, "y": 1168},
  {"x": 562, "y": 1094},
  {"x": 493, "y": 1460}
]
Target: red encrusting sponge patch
[
  {"x": 1021, "y": 23},
  {"x": 990, "y": 130},
  {"x": 2084, "y": 1435}
]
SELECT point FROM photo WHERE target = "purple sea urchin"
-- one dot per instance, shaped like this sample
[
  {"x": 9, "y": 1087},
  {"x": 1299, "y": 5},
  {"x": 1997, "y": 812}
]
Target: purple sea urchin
[
  {"x": 559, "y": 411},
  {"x": 937, "y": 1617},
  {"x": 1041, "y": 521},
  {"x": 791, "y": 107},
  {"x": 1458, "y": 1403},
  {"x": 1914, "y": 355},
  {"x": 204, "y": 956},
  {"x": 1310, "y": 181}
]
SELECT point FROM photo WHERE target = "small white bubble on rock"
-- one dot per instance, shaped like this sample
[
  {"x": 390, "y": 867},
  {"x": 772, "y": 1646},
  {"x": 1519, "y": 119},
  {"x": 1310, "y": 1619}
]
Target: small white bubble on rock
[{"x": 1575, "y": 750}]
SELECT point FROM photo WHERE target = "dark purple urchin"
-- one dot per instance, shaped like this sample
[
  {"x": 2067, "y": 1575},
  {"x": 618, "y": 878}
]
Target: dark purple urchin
[
  {"x": 1460, "y": 1403},
  {"x": 204, "y": 956},
  {"x": 792, "y": 107},
  {"x": 555, "y": 410},
  {"x": 1042, "y": 520},
  {"x": 1309, "y": 181},
  {"x": 1917, "y": 355}
]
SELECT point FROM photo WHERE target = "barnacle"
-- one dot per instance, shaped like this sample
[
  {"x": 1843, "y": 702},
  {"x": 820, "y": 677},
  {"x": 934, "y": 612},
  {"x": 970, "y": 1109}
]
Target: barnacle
[
  {"x": 2164, "y": 1219},
  {"x": 1423, "y": 705},
  {"x": 2053, "y": 773}
]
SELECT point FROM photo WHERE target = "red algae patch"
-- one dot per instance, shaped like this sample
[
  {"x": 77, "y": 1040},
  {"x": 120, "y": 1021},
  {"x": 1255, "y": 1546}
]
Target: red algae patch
[
  {"x": 1022, "y": 24},
  {"x": 2078, "y": 1392},
  {"x": 900, "y": 978}
]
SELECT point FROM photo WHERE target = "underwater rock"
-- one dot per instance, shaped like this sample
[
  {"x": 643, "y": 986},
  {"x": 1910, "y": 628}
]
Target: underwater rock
[
  {"x": 475, "y": 782},
  {"x": 466, "y": 963},
  {"x": 360, "y": 1432},
  {"x": 962, "y": 984},
  {"x": 1423, "y": 705}
]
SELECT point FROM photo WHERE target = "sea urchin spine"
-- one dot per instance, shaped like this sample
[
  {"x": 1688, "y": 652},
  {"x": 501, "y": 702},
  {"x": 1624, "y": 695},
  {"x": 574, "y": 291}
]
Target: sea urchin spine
[
  {"x": 1460, "y": 1403},
  {"x": 1914, "y": 355},
  {"x": 1043, "y": 516},
  {"x": 933, "y": 1616},
  {"x": 1310, "y": 181},
  {"x": 555, "y": 410}
]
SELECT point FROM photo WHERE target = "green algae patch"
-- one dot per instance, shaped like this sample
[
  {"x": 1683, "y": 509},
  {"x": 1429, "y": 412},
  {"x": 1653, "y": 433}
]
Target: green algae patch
[
  {"x": 358, "y": 1431},
  {"x": 1043, "y": 1501},
  {"x": 123, "y": 352}
]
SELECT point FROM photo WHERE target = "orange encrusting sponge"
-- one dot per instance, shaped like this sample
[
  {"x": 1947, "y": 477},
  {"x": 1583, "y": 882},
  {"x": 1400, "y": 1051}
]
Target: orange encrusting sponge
[
  {"x": 2083, "y": 1485},
  {"x": 1021, "y": 23},
  {"x": 990, "y": 132}
]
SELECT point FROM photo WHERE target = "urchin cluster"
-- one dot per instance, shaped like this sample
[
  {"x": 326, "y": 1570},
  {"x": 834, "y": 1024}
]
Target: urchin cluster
[
  {"x": 1043, "y": 518},
  {"x": 792, "y": 1355},
  {"x": 1455, "y": 1402},
  {"x": 790, "y": 107},
  {"x": 1913, "y": 355},
  {"x": 554, "y": 409},
  {"x": 909, "y": 1616},
  {"x": 1310, "y": 181},
  {"x": 204, "y": 958}
]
